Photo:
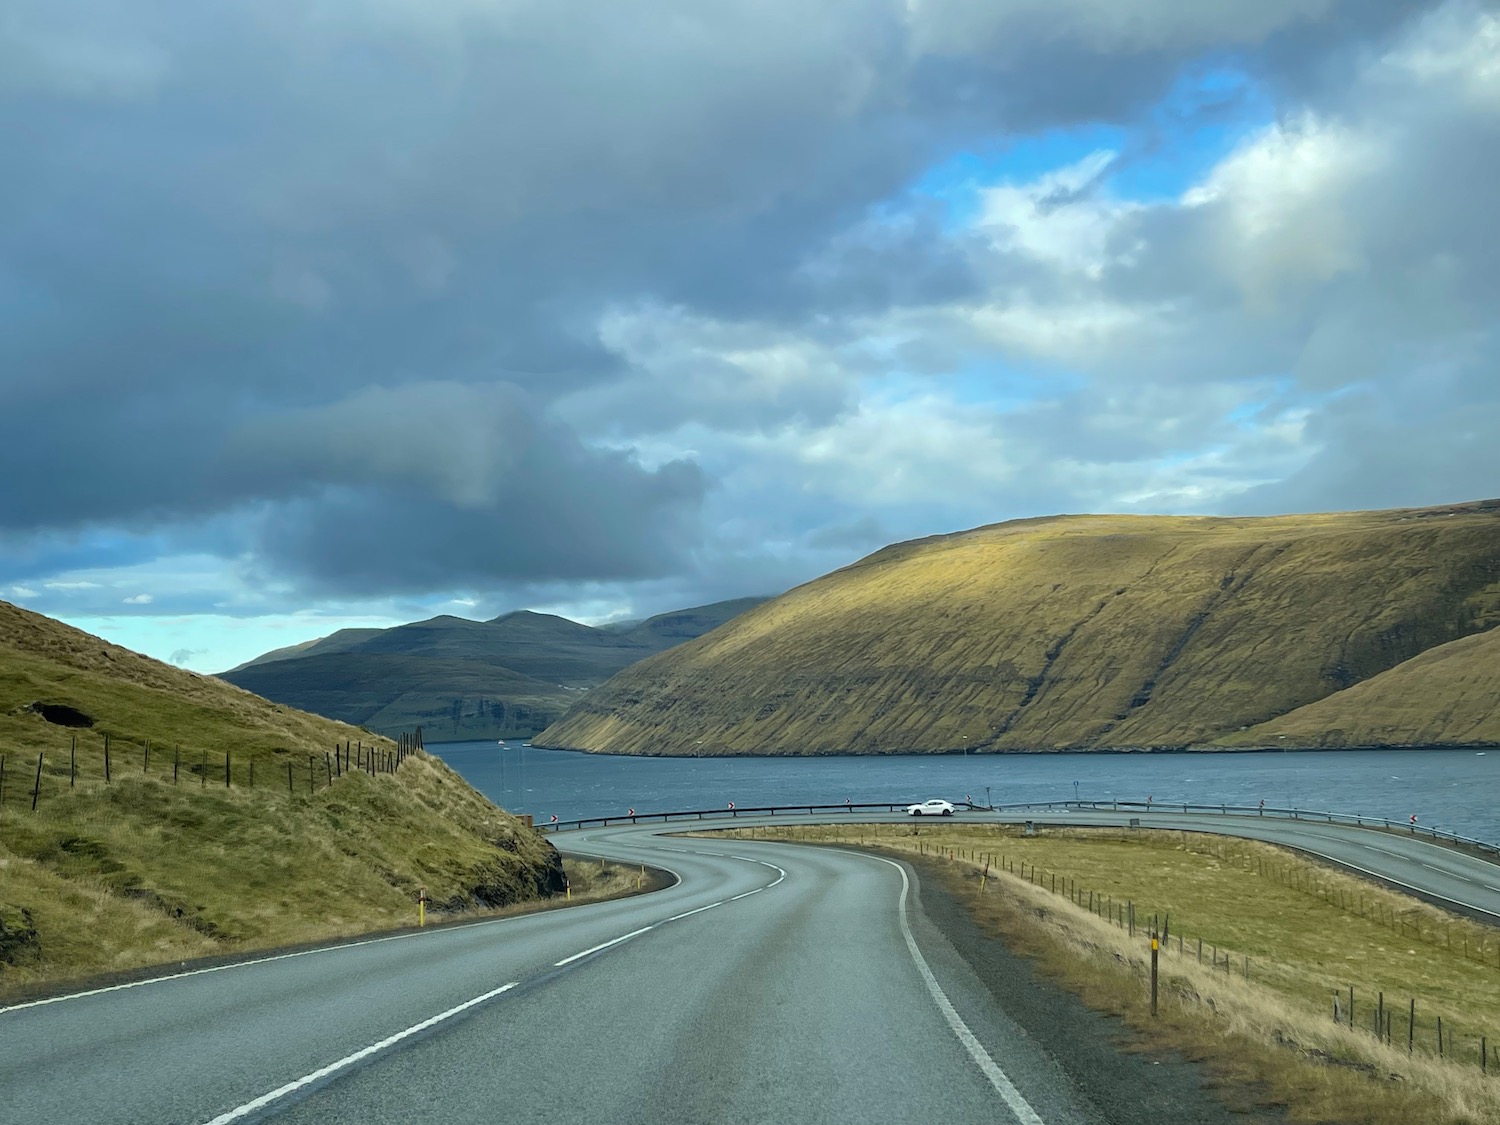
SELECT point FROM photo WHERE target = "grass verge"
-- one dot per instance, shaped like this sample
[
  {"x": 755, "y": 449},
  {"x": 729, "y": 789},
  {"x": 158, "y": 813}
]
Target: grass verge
[{"x": 1304, "y": 931}]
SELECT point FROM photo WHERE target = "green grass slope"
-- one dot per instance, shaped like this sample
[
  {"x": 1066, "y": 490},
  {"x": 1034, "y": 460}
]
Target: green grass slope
[
  {"x": 1066, "y": 632},
  {"x": 143, "y": 869},
  {"x": 1449, "y": 695},
  {"x": 457, "y": 678}
]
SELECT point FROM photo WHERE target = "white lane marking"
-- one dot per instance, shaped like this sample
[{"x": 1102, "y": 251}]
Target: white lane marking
[
  {"x": 1003, "y": 1086},
  {"x": 286, "y": 956},
  {"x": 349, "y": 1060},
  {"x": 781, "y": 874},
  {"x": 602, "y": 945},
  {"x": 219, "y": 969}
]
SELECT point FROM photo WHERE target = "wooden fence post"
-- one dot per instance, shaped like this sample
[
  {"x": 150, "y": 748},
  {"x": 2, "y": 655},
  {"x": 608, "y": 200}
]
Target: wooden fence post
[
  {"x": 36, "y": 790},
  {"x": 106, "y": 759},
  {"x": 73, "y": 763},
  {"x": 289, "y": 787}
]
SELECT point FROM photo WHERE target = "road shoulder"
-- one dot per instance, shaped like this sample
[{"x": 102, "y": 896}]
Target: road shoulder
[{"x": 1113, "y": 1067}]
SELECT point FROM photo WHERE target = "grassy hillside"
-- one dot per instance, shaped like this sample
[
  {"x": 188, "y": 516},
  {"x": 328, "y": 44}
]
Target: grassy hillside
[
  {"x": 334, "y": 642},
  {"x": 1072, "y": 631},
  {"x": 1448, "y": 694},
  {"x": 457, "y": 678},
  {"x": 142, "y": 869}
]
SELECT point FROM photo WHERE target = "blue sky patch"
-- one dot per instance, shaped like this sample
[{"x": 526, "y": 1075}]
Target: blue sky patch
[{"x": 1211, "y": 108}]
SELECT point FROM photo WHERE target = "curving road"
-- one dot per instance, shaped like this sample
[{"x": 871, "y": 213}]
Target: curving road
[{"x": 772, "y": 982}]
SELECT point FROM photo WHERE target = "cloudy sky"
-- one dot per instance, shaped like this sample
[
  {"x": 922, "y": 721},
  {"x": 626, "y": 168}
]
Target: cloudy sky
[{"x": 356, "y": 311}]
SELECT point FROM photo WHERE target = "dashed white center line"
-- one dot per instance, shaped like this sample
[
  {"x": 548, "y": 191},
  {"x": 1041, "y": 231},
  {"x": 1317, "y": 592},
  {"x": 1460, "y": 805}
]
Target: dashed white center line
[
  {"x": 349, "y": 1060},
  {"x": 601, "y": 945},
  {"x": 700, "y": 910}
]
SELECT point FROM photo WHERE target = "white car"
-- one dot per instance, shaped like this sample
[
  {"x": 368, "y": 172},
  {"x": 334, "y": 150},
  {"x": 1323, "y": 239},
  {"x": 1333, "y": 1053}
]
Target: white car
[{"x": 934, "y": 807}]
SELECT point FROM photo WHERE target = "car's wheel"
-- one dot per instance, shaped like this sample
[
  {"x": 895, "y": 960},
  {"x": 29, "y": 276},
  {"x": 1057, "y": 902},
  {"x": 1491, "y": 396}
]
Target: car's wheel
[{"x": 947, "y": 812}]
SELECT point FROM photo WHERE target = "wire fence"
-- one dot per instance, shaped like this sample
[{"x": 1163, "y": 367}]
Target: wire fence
[
  {"x": 105, "y": 760},
  {"x": 1396, "y": 1021}
]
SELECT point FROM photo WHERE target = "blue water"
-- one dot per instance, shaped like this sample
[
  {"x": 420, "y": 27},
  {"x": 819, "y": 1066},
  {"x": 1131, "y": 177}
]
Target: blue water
[{"x": 1455, "y": 790}]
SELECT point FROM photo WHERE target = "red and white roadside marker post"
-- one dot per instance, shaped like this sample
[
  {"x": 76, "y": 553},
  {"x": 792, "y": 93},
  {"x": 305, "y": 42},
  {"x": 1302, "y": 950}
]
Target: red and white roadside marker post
[{"x": 421, "y": 907}]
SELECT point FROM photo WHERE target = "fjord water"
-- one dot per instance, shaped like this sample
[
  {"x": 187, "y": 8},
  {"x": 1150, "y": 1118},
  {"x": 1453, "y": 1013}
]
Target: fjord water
[{"x": 1456, "y": 790}]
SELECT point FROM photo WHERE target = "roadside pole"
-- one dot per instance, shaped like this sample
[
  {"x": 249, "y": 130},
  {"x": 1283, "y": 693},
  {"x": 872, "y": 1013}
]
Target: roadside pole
[{"x": 1155, "y": 945}]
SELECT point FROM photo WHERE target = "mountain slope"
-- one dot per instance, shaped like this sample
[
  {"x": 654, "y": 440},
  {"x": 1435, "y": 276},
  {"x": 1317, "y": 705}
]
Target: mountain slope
[
  {"x": 163, "y": 861},
  {"x": 319, "y": 646},
  {"x": 1446, "y": 695},
  {"x": 458, "y": 678},
  {"x": 1071, "y": 631}
]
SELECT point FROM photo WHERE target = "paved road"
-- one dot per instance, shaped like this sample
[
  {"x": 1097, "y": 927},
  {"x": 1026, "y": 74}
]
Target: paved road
[
  {"x": 772, "y": 982},
  {"x": 1437, "y": 873}
]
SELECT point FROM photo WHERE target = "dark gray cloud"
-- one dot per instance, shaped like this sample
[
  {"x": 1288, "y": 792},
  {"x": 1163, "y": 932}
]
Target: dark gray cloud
[{"x": 554, "y": 292}]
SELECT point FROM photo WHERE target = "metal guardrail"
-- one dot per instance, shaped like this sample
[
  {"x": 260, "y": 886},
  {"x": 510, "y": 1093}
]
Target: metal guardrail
[{"x": 1355, "y": 819}]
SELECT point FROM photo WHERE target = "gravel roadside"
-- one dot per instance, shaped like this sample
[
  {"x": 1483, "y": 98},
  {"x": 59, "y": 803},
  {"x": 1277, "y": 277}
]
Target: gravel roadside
[{"x": 1113, "y": 1066}]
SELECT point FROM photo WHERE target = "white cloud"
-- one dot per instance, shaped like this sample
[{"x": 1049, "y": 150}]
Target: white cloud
[
  {"x": 1284, "y": 198},
  {"x": 1058, "y": 219},
  {"x": 1457, "y": 46},
  {"x": 139, "y": 599}
]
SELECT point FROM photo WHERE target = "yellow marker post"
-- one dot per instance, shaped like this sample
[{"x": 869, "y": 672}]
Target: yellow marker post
[
  {"x": 1155, "y": 945},
  {"x": 421, "y": 907}
]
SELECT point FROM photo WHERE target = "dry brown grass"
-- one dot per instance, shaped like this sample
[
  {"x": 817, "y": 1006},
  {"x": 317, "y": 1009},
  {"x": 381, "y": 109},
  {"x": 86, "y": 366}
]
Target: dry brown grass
[{"x": 1273, "y": 1030}]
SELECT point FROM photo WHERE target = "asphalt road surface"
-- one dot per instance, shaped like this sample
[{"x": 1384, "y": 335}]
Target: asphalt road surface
[{"x": 772, "y": 982}]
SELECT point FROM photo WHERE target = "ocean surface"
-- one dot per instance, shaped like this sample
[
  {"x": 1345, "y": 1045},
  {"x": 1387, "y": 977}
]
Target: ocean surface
[{"x": 1456, "y": 790}]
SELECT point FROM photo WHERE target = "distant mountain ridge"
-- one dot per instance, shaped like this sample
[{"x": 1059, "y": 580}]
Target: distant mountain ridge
[
  {"x": 459, "y": 678},
  {"x": 1097, "y": 632}
]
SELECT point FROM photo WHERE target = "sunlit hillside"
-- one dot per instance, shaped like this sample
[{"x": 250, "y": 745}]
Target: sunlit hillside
[
  {"x": 1449, "y": 694},
  {"x": 223, "y": 823},
  {"x": 1079, "y": 631}
]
